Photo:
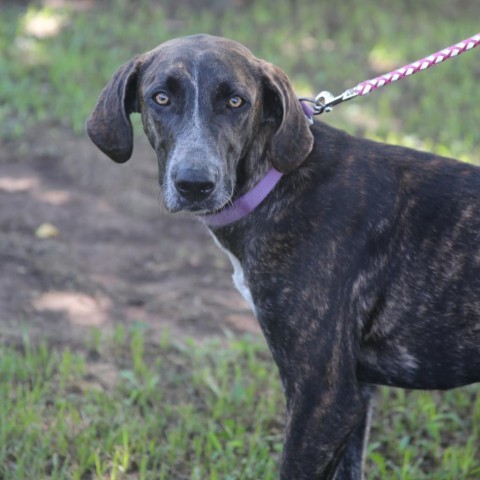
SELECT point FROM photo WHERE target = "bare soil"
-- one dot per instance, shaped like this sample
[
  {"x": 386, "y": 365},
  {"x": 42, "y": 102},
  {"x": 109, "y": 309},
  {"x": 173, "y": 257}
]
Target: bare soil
[{"x": 110, "y": 256}]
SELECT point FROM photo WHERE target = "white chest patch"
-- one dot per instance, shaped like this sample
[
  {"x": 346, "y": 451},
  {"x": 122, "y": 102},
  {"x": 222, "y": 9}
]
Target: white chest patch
[{"x": 238, "y": 276}]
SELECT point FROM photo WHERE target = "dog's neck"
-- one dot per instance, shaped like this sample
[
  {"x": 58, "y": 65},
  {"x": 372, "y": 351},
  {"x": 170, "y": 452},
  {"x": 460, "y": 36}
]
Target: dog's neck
[{"x": 246, "y": 203}]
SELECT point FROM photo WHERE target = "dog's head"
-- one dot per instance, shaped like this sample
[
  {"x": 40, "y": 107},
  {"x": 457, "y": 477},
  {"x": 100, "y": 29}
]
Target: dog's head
[{"x": 215, "y": 115}]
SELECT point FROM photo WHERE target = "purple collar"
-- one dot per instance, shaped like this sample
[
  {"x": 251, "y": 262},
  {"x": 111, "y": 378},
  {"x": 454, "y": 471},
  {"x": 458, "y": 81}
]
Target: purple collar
[
  {"x": 308, "y": 111},
  {"x": 242, "y": 206}
]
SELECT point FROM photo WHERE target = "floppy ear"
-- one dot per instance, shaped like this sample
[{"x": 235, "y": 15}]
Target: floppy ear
[
  {"x": 292, "y": 140},
  {"x": 109, "y": 125}
]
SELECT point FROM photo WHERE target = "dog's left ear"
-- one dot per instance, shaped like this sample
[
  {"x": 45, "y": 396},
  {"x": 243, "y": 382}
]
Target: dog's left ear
[{"x": 292, "y": 140}]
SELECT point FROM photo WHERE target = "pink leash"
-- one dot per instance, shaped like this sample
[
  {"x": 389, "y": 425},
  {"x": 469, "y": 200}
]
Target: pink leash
[{"x": 325, "y": 101}]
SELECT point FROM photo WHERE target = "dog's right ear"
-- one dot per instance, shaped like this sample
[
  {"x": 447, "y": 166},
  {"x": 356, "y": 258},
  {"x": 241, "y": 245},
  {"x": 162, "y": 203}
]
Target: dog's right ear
[{"x": 109, "y": 126}]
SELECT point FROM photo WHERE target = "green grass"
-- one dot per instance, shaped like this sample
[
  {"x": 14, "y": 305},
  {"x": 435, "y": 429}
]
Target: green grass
[
  {"x": 182, "y": 411},
  {"x": 197, "y": 411},
  {"x": 321, "y": 45}
]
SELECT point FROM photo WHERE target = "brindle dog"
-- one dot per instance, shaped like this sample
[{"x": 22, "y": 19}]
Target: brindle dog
[{"x": 362, "y": 264}]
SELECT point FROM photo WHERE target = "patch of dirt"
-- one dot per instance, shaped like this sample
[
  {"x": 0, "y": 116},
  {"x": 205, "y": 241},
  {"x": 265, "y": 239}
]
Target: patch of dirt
[{"x": 113, "y": 257}]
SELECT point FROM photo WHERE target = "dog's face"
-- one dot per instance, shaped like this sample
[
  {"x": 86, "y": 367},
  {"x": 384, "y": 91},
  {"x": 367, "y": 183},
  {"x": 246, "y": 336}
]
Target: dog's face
[
  {"x": 198, "y": 109},
  {"x": 212, "y": 112}
]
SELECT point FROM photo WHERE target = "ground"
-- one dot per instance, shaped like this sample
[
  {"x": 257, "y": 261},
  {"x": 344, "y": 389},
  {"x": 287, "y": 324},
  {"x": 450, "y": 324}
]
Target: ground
[{"x": 85, "y": 244}]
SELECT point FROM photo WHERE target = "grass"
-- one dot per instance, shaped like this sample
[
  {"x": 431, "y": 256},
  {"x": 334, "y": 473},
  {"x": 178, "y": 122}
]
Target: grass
[
  {"x": 55, "y": 75},
  {"x": 123, "y": 409},
  {"x": 183, "y": 411}
]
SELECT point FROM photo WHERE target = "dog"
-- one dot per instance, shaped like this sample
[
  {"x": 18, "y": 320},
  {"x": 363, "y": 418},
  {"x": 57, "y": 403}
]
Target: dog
[{"x": 361, "y": 260}]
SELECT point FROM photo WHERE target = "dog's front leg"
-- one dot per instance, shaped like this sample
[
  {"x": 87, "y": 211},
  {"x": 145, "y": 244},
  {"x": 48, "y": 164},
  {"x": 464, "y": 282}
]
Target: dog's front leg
[{"x": 322, "y": 416}]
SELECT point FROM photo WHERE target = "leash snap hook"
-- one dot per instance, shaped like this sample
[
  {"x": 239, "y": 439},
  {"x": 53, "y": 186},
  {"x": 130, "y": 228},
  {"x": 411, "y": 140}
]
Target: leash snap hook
[{"x": 323, "y": 102}]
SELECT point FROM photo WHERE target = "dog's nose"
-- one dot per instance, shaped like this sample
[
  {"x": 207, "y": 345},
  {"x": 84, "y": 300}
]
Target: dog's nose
[{"x": 194, "y": 185}]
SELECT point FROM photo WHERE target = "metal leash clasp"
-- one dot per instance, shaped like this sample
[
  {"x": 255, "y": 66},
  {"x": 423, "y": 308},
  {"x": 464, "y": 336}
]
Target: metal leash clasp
[{"x": 325, "y": 101}]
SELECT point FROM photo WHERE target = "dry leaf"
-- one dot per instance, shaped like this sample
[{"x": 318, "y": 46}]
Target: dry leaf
[{"x": 47, "y": 230}]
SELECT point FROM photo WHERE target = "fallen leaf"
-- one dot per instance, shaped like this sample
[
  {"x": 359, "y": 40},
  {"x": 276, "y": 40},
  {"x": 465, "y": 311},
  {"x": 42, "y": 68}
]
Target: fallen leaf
[{"x": 47, "y": 230}]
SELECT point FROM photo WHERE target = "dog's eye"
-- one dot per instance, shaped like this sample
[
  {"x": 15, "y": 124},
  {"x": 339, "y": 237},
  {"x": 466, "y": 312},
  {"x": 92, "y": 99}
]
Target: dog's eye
[
  {"x": 162, "y": 99},
  {"x": 235, "y": 101}
]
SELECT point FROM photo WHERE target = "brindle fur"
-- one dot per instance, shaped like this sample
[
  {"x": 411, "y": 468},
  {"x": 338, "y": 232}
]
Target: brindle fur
[{"x": 363, "y": 263}]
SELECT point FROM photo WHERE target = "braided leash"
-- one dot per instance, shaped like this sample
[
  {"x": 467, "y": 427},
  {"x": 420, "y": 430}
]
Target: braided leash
[{"x": 325, "y": 101}]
